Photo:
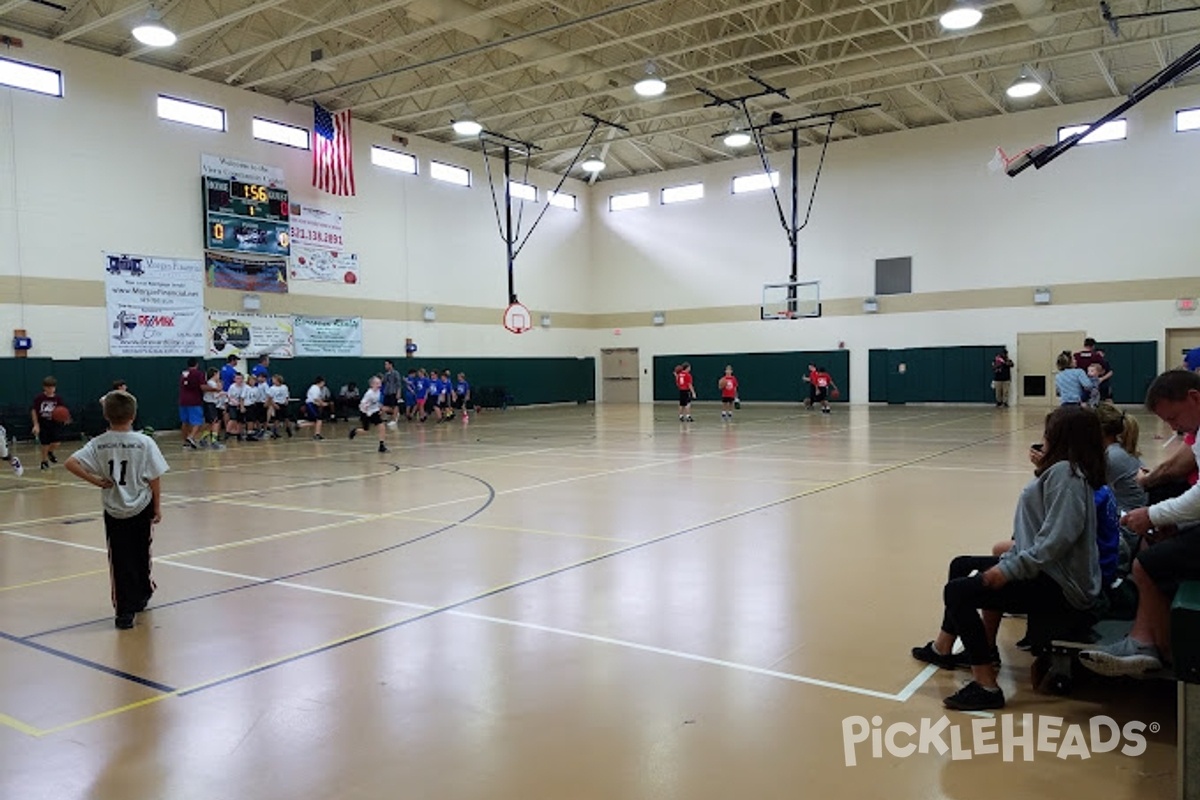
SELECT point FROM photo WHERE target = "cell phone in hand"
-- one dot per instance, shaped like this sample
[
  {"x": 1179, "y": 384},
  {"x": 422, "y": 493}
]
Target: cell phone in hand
[{"x": 1037, "y": 446}]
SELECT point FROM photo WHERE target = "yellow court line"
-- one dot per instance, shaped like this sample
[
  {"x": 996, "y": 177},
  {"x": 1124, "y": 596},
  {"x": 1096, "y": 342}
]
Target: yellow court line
[
  {"x": 44, "y": 581},
  {"x": 20, "y": 727},
  {"x": 112, "y": 712},
  {"x": 278, "y": 507},
  {"x": 515, "y": 529}
]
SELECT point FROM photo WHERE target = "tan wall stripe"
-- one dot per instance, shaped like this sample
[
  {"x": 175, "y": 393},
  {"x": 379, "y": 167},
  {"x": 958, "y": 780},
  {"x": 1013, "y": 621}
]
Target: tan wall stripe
[{"x": 90, "y": 294}]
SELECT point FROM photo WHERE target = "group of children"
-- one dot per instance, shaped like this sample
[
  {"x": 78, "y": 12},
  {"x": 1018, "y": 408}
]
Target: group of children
[{"x": 821, "y": 389}]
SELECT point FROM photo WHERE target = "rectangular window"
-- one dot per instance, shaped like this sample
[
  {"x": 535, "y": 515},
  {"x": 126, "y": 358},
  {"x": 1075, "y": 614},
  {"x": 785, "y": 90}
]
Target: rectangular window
[
  {"x": 681, "y": 194},
  {"x": 189, "y": 113},
  {"x": 1108, "y": 132},
  {"x": 522, "y": 191},
  {"x": 624, "y": 202},
  {"x": 393, "y": 159},
  {"x": 755, "y": 183},
  {"x": 563, "y": 200},
  {"x": 279, "y": 133},
  {"x": 1187, "y": 120},
  {"x": 20, "y": 75},
  {"x": 449, "y": 173}
]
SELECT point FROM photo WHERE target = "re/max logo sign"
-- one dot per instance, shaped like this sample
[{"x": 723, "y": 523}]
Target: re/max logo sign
[{"x": 155, "y": 321}]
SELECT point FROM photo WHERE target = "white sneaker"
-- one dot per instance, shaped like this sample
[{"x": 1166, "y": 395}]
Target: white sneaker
[{"x": 16, "y": 465}]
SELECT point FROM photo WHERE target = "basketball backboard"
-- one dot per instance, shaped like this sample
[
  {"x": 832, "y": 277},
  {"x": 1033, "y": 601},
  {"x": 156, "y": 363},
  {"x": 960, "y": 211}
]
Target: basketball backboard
[{"x": 791, "y": 300}]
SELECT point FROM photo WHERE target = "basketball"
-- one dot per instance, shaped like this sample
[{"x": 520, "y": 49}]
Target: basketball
[
  {"x": 834, "y": 394},
  {"x": 61, "y": 415}
]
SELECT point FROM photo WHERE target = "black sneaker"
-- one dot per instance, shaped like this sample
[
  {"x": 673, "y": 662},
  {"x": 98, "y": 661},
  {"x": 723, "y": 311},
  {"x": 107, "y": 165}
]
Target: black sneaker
[
  {"x": 317, "y": 437},
  {"x": 927, "y": 654},
  {"x": 53, "y": 458},
  {"x": 383, "y": 448},
  {"x": 974, "y": 697},
  {"x": 45, "y": 465},
  {"x": 353, "y": 433},
  {"x": 963, "y": 661},
  {"x": 124, "y": 621}
]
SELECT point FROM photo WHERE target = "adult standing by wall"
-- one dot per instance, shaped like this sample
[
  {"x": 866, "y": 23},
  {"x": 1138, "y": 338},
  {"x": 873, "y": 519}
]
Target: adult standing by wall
[
  {"x": 191, "y": 403},
  {"x": 262, "y": 370},
  {"x": 1002, "y": 377},
  {"x": 1089, "y": 355}
]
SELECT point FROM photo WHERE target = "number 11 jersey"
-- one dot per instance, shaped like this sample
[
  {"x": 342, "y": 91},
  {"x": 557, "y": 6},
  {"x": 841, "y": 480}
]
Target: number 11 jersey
[{"x": 130, "y": 460}]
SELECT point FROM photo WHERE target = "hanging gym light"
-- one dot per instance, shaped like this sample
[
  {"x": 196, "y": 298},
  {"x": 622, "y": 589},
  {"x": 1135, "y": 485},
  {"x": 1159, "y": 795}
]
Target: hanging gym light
[
  {"x": 652, "y": 85},
  {"x": 151, "y": 32},
  {"x": 961, "y": 15}
]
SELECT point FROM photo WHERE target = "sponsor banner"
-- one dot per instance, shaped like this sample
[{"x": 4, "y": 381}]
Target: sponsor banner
[
  {"x": 318, "y": 249},
  {"x": 246, "y": 275},
  {"x": 245, "y": 171},
  {"x": 328, "y": 336},
  {"x": 155, "y": 306},
  {"x": 249, "y": 335}
]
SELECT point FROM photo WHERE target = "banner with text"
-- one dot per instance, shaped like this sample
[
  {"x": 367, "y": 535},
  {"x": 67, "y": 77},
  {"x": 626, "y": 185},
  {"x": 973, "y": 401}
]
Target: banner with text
[
  {"x": 328, "y": 336},
  {"x": 247, "y": 275},
  {"x": 155, "y": 306},
  {"x": 249, "y": 335},
  {"x": 237, "y": 169},
  {"x": 318, "y": 247}
]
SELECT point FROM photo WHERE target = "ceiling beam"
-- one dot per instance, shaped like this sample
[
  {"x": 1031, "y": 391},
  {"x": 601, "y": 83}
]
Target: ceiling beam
[
  {"x": 136, "y": 7},
  {"x": 213, "y": 25},
  {"x": 1108, "y": 78}
]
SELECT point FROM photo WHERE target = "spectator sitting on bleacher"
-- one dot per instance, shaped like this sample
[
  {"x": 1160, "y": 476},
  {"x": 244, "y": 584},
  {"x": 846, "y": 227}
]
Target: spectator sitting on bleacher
[
  {"x": 1052, "y": 567},
  {"x": 1172, "y": 529}
]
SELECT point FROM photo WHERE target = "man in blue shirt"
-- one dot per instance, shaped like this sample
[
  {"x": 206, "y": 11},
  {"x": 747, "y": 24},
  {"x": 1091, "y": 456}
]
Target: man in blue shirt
[
  {"x": 229, "y": 372},
  {"x": 262, "y": 370}
]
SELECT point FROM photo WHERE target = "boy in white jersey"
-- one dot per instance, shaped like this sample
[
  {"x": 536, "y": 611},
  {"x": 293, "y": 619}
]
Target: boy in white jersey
[
  {"x": 127, "y": 466},
  {"x": 370, "y": 410},
  {"x": 253, "y": 408},
  {"x": 4, "y": 455},
  {"x": 235, "y": 403},
  {"x": 278, "y": 394},
  {"x": 315, "y": 404},
  {"x": 214, "y": 410}
]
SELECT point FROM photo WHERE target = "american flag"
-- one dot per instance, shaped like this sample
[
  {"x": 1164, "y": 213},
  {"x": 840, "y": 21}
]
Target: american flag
[{"x": 333, "y": 158}]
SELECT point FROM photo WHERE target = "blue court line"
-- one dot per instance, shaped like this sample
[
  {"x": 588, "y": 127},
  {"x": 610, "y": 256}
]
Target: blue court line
[
  {"x": 584, "y": 563},
  {"x": 83, "y": 662},
  {"x": 396, "y": 468}
]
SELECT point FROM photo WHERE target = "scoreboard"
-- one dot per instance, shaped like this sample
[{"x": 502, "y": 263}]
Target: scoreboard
[{"x": 245, "y": 217}]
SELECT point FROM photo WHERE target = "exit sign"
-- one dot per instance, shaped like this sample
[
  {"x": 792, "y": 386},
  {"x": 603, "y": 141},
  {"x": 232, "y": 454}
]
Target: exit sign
[{"x": 1185, "y": 304}]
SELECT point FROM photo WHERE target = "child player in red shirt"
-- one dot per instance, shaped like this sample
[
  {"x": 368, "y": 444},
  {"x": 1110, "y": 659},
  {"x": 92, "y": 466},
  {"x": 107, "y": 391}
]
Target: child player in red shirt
[
  {"x": 729, "y": 389},
  {"x": 825, "y": 387},
  {"x": 687, "y": 392}
]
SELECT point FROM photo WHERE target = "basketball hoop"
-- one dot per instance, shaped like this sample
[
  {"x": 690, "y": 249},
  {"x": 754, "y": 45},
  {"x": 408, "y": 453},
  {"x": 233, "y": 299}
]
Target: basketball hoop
[{"x": 517, "y": 319}]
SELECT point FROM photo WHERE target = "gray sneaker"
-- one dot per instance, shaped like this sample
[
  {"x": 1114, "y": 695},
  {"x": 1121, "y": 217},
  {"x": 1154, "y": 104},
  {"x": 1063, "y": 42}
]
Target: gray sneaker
[{"x": 1126, "y": 657}]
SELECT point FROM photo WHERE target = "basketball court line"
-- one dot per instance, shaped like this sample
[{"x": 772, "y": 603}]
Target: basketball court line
[
  {"x": 371, "y": 632},
  {"x": 58, "y": 579},
  {"x": 505, "y": 587}
]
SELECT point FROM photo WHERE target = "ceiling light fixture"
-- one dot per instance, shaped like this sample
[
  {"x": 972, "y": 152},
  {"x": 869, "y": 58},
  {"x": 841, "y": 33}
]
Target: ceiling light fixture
[
  {"x": 593, "y": 164},
  {"x": 652, "y": 85},
  {"x": 467, "y": 127},
  {"x": 151, "y": 32},
  {"x": 1026, "y": 85},
  {"x": 737, "y": 138},
  {"x": 960, "y": 16}
]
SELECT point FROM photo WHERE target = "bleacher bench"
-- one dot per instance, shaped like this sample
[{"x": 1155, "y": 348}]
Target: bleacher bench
[{"x": 1185, "y": 648}]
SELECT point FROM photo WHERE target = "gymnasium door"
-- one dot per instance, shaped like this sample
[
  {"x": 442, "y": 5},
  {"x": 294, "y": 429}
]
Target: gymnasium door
[
  {"x": 1179, "y": 341},
  {"x": 620, "y": 370},
  {"x": 1036, "y": 353}
]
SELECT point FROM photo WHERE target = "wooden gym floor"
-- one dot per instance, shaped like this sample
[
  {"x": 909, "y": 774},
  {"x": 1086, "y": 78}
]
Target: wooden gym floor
[{"x": 583, "y": 602}]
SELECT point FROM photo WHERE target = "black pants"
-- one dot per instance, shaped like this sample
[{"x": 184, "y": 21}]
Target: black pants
[
  {"x": 129, "y": 560},
  {"x": 964, "y": 596}
]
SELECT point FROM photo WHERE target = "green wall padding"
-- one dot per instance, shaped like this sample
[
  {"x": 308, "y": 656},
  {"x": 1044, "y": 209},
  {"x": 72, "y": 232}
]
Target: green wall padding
[
  {"x": 155, "y": 382},
  {"x": 1134, "y": 366},
  {"x": 961, "y": 374},
  {"x": 762, "y": 377}
]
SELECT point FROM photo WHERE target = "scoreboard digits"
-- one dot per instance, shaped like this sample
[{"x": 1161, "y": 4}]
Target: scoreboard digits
[{"x": 245, "y": 217}]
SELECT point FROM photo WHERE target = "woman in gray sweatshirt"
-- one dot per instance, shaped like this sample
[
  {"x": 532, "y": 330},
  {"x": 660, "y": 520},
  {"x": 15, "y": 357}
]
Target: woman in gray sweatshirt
[{"x": 1053, "y": 565}]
